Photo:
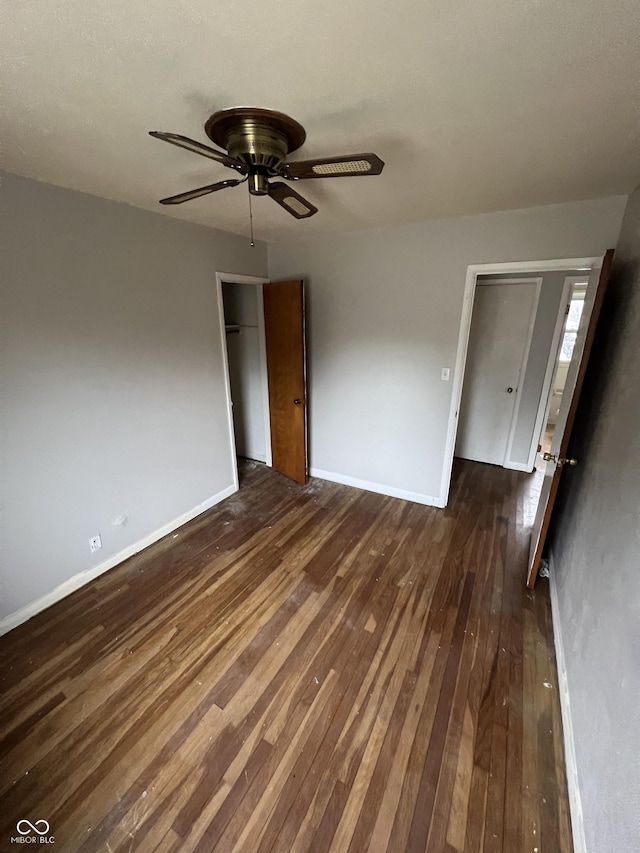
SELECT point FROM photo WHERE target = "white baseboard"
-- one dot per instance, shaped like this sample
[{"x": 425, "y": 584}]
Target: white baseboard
[
  {"x": 575, "y": 801},
  {"x": 379, "y": 489},
  {"x": 80, "y": 579}
]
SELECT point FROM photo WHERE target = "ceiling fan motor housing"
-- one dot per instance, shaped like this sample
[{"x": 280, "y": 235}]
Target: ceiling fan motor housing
[
  {"x": 261, "y": 139},
  {"x": 257, "y": 143}
]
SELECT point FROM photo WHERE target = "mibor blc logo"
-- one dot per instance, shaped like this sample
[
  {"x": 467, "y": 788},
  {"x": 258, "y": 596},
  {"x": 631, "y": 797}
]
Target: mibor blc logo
[{"x": 33, "y": 833}]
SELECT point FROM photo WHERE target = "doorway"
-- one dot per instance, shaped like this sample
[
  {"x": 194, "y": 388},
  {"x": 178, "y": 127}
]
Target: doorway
[
  {"x": 535, "y": 384},
  {"x": 569, "y": 349},
  {"x": 264, "y": 355},
  {"x": 247, "y": 363}
]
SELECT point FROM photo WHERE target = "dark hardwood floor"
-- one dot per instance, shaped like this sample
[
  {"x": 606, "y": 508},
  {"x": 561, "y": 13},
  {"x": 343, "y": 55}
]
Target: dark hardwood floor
[{"x": 304, "y": 668}]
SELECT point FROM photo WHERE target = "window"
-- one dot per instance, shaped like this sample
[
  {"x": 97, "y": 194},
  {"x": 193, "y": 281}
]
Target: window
[{"x": 571, "y": 324}]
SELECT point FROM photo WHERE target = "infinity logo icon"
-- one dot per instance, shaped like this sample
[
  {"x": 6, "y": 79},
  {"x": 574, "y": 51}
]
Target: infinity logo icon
[{"x": 32, "y": 827}]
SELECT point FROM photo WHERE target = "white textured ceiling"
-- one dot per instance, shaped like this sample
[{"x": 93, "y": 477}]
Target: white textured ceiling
[{"x": 475, "y": 105}]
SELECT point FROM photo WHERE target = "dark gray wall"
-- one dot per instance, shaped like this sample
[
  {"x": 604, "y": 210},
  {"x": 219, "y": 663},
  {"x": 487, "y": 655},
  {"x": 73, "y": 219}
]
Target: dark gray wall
[
  {"x": 595, "y": 544},
  {"x": 114, "y": 401}
]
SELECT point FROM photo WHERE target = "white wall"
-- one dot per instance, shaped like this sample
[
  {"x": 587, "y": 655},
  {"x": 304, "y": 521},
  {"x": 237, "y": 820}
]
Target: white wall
[
  {"x": 383, "y": 313},
  {"x": 114, "y": 400},
  {"x": 596, "y": 558}
]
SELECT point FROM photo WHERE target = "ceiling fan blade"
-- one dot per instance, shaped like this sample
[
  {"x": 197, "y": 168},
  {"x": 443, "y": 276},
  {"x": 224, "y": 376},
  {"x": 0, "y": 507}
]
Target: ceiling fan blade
[
  {"x": 347, "y": 166},
  {"x": 292, "y": 201},
  {"x": 212, "y": 188},
  {"x": 192, "y": 145}
]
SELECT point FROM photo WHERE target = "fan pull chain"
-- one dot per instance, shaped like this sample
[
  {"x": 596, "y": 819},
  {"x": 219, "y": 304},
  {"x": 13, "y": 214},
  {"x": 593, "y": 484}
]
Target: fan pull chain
[{"x": 251, "y": 220}]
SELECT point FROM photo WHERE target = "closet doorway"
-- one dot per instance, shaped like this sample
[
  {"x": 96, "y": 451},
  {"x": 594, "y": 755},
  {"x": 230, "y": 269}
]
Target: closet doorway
[
  {"x": 247, "y": 361},
  {"x": 265, "y": 358}
]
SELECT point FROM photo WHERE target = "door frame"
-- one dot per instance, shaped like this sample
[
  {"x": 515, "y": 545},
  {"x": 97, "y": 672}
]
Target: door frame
[
  {"x": 258, "y": 281},
  {"x": 473, "y": 271}
]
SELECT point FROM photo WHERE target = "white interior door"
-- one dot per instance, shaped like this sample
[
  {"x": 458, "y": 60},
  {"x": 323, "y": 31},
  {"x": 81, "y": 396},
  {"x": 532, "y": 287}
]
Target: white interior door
[{"x": 500, "y": 334}]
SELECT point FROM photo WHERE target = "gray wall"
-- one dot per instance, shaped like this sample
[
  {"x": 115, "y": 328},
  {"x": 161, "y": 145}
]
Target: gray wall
[
  {"x": 384, "y": 309},
  {"x": 113, "y": 388},
  {"x": 596, "y": 557}
]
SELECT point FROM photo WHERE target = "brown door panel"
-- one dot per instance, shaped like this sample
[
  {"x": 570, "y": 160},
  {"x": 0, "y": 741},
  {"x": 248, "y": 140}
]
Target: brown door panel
[{"x": 285, "y": 344}]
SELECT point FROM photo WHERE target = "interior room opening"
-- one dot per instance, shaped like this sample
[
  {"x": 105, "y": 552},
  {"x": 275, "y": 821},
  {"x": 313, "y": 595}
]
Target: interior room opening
[
  {"x": 525, "y": 339},
  {"x": 246, "y": 359}
]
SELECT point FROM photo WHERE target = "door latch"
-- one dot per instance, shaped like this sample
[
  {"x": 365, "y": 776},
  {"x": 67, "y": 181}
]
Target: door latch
[{"x": 559, "y": 460}]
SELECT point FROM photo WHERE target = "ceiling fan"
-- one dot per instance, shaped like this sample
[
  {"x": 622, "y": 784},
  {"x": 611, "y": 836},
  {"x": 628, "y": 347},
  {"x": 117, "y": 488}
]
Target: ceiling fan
[{"x": 256, "y": 143}]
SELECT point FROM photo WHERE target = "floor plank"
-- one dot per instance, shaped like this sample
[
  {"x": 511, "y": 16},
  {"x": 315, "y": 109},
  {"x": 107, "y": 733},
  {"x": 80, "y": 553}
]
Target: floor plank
[{"x": 302, "y": 668}]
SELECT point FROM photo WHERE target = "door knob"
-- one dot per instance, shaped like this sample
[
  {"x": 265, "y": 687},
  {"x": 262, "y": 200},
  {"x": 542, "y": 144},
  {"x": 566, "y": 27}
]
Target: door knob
[
  {"x": 559, "y": 460},
  {"x": 298, "y": 401},
  {"x": 509, "y": 390}
]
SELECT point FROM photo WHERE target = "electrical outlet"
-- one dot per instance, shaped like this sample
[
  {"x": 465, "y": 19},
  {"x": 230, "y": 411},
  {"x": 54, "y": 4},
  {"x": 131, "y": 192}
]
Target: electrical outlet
[
  {"x": 95, "y": 543},
  {"x": 444, "y": 374}
]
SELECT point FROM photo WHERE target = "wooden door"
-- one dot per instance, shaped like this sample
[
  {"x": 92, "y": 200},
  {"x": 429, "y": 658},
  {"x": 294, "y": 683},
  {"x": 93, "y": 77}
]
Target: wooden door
[
  {"x": 286, "y": 372},
  {"x": 566, "y": 416},
  {"x": 501, "y": 327}
]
